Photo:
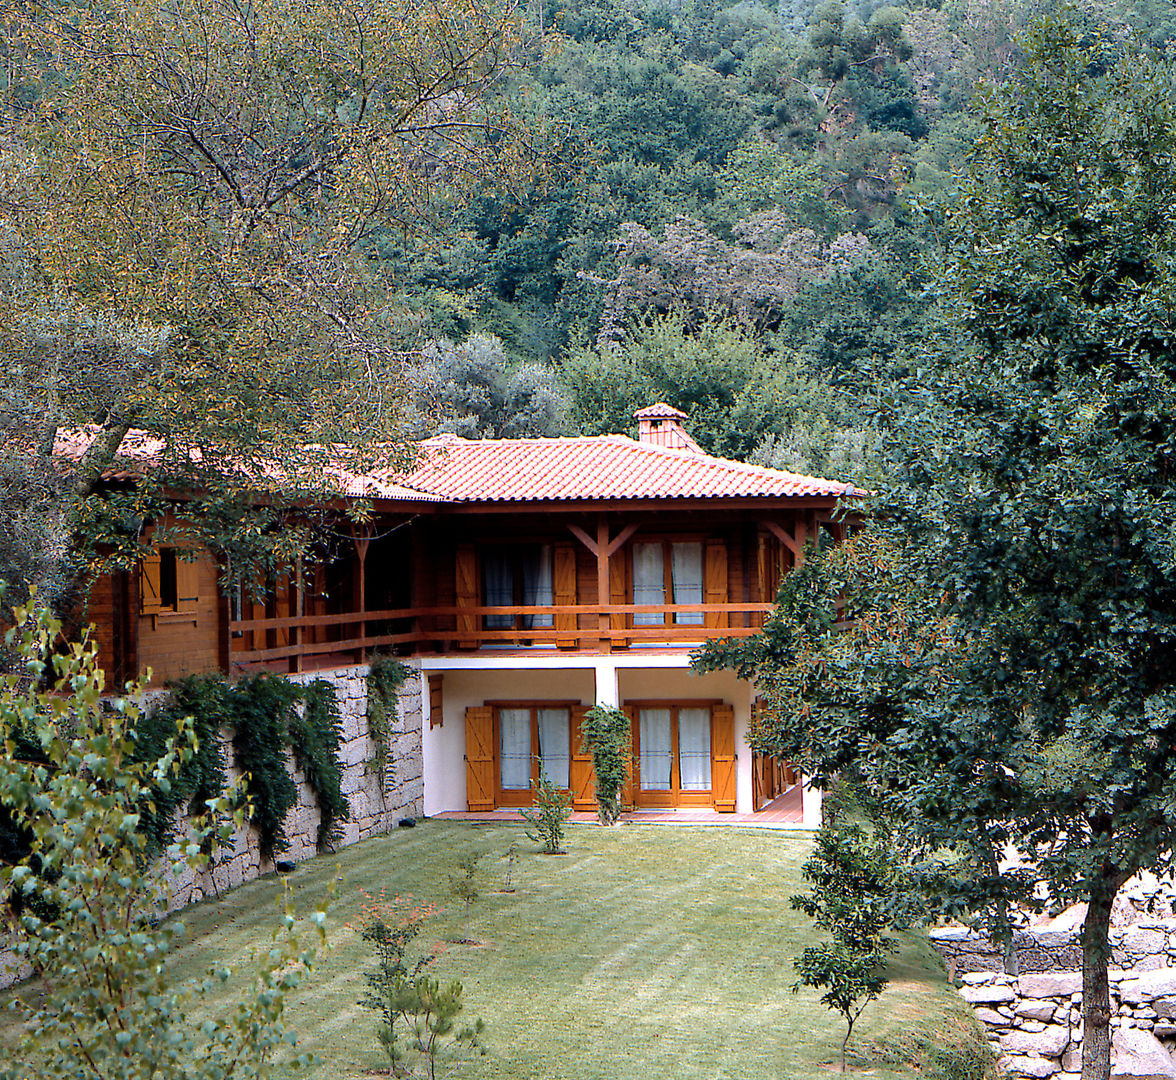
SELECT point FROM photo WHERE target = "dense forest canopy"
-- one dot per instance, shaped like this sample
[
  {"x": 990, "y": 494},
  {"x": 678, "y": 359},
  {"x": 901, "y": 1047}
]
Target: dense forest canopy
[{"x": 722, "y": 180}]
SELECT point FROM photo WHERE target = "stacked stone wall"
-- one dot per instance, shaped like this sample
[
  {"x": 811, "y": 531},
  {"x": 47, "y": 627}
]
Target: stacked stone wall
[
  {"x": 1034, "y": 1019},
  {"x": 375, "y": 807}
]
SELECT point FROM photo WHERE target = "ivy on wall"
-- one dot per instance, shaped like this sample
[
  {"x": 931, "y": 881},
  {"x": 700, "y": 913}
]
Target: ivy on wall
[
  {"x": 315, "y": 738},
  {"x": 385, "y": 678},
  {"x": 207, "y": 700}
]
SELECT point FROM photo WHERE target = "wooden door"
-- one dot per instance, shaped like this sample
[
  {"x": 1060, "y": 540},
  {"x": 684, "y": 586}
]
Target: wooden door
[{"x": 479, "y": 758}]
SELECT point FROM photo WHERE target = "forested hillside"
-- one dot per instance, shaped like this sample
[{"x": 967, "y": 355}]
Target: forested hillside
[{"x": 736, "y": 213}]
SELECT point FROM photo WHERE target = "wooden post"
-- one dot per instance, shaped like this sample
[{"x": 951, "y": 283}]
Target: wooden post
[
  {"x": 603, "y": 590},
  {"x": 298, "y": 611},
  {"x": 362, "y": 541}
]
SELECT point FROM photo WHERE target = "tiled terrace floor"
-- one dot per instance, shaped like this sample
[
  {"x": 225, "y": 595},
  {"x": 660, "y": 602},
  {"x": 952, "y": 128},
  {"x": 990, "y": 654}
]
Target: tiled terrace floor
[{"x": 784, "y": 812}]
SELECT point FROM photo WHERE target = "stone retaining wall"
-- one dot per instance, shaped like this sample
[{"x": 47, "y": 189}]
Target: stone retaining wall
[
  {"x": 375, "y": 808},
  {"x": 1034, "y": 1019}
]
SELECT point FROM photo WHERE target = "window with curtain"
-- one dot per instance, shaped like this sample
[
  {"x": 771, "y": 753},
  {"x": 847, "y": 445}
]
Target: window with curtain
[
  {"x": 514, "y": 748},
  {"x": 668, "y": 568},
  {"x": 555, "y": 745},
  {"x": 533, "y": 739},
  {"x": 694, "y": 749},
  {"x": 657, "y": 757},
  {"x": 517, "y": 576}
]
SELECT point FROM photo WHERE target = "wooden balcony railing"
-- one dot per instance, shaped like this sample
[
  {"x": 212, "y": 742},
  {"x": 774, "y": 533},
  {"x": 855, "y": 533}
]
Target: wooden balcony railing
[{"x": 592, "y": 627}]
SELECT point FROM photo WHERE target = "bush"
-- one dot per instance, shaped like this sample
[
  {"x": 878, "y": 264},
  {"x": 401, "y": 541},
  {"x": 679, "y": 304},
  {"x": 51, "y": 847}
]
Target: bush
[
  {"x": 552, "y": 810},
  {"x": 607, "y": 735},
  {"x": 315, "y": 738},
  {"x": 104, "y": 1007}
]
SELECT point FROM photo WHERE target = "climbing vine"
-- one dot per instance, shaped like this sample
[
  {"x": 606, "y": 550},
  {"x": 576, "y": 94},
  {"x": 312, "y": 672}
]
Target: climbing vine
[
  {"x": 262, "y": 711},
  {"x": 606, "y": 733},
  {"x": 315, "y": 738},
  {"x": 385, "y": 678},
  {"x": 206, "y": 699}
]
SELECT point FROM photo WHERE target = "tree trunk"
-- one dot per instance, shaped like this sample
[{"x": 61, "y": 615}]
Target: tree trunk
[{"x": 1096, "y": 995}]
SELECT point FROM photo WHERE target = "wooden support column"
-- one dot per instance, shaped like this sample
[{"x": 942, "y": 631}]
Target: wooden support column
[
  {"x": 362, "y": 541},
  {"x": 298, "y": 610}
]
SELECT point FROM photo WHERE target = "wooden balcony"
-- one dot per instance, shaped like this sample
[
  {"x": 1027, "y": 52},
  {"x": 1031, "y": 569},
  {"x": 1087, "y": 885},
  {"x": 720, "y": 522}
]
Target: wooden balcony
[{"x": 297, "y": 642}]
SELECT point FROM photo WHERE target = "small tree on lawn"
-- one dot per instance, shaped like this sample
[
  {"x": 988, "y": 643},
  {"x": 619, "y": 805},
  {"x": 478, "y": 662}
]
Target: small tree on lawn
[
  {"x": 607, "y": 736},
  {"x": 464, "y": 885},
  {"x": 855, "y": 887},
  {"x": 104, "y": 1006},
  {"x": 553, "y": 807}
]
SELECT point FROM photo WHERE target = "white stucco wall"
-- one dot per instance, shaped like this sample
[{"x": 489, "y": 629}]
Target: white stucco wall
[{"x": 471, "y": 681}]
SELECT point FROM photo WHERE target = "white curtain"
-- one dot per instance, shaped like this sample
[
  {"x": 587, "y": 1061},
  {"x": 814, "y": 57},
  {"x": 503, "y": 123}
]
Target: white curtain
[
  {"x": 514, "y": 749},
  {"x": 537, "y": 585},
  {"x": 649, "y": 582},
  {"x": 656, "y": 753},
  {"x": 555, "y": 745},
  {"x": 686, "y": 568},
  {"x": 694, "y": 752},
  {"x": 497, "y": 586}
]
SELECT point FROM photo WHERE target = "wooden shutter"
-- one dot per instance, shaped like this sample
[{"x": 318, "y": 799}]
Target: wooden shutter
[
  {"x": 619, "y": 593},
  {"x": 564, "y": 590},
  {"x": 628, "y": 795},
  {"x": 723, "y": 757},
  {"x": 436, "y": 702},
  {"x": 583, "y": 777},
  {"x": 714, "y": 578},
  {"x": 149, "y": 601},
  {"x": 479, "y": 756},
  {"x": 187, "y": 584},
  {"x": 466, "y": 569}
]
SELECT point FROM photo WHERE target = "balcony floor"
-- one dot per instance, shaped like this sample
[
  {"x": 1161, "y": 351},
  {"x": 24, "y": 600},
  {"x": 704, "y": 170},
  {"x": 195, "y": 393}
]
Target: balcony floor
[{"x": 783, "y": 812}]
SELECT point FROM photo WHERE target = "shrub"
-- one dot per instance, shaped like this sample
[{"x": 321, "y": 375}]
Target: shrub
[
  {"x": 552, "y": 810},
  {"x": 104, "y": 1006},
  {"x": 386, "y": 675},
  {"x": 464, "y": 885},
  {"x": 607, "y": 736}
]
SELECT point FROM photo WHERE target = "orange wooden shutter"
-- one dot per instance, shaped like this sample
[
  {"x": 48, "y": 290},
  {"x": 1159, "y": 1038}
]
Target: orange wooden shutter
[
  {"x": 187, "y": 585},
  {"x": 436, "y": 702},
  {"x": 564, "y": 590},
  {"x": 583, "y": 777},
  {"x": 619, "y": 593},
  {"x": 466, "y": 565},
  {"x": 714, "y": 577},
  {"x": 479, "y": 758},
  {"x": 149, "y": 602},
  {"x": 723, "y": 757}
]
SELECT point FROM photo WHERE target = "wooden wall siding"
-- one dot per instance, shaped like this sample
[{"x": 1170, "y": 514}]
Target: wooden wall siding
[{"x": 173, "y": 644}]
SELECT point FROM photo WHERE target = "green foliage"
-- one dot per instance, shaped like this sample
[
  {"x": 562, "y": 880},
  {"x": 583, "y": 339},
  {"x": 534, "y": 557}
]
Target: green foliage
[
  {"x": 262, "y": 712},
  {"x": 953, "y": 1048},
  {"x": 856, "y": 885},
  {"x": 553, "y": 807},
  {"x": 104, "y": 1006},
  {"x": 419, "y": 1032},
  {"x": 314, "y": 737},
  {"x": 607, "y": 736},
  {"x": 386, "y": 676},
  {"x": 464, "y": 884},
  {"x": 203, "y": 701}
]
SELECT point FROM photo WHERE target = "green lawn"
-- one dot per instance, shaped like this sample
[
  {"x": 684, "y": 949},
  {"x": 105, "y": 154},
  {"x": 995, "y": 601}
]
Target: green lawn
[{"x": 647, "y": 952}]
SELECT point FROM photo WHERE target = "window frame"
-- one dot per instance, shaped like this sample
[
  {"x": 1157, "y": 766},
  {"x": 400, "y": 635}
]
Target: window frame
[
  {"x": 514, "y": 797},
  {"x": 674, "y": 796},
  {"x": 668, "y": 618},
  {"x": 515, "y": 552}
]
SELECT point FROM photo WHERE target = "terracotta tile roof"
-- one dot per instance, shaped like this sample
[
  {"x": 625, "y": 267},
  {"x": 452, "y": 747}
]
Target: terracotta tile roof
[
  {"x": 456, "y": 470},
  {"x": 598, "y": 467}
]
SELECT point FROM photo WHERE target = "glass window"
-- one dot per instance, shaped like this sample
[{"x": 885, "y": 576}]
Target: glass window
[
  {"x": 649, "y": 582},
  {"x": 694, "y": 749},
  {"x": 656, "y": 758},
  {"x": 555, "y": 745},
  {"x": 517, "y": 577},
  {"x": 514, "y": 749},
  {"x": 686, "y": 565}
]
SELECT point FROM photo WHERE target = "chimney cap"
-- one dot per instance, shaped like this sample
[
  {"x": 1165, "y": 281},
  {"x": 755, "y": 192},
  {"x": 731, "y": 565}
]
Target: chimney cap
[{"x": 660, "y": 411}]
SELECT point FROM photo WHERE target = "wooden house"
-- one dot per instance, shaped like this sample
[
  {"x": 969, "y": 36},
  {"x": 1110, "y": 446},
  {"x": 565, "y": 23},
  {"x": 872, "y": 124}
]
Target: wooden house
[{"x": 526, "y": 580}]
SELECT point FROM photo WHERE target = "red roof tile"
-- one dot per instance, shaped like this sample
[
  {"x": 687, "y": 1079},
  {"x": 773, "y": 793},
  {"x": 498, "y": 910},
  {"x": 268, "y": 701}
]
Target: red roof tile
[{"x": 601, "y": 467}]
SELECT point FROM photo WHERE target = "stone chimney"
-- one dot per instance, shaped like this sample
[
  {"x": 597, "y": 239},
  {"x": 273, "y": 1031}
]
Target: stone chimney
[{"x": 661, "y": 425}]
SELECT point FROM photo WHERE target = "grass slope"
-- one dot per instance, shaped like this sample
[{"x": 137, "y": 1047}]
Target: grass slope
[{"x": 647, "y": 952}]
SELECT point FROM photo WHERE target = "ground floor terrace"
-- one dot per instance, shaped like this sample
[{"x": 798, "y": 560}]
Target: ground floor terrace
[{"x": 495, "y": 724}]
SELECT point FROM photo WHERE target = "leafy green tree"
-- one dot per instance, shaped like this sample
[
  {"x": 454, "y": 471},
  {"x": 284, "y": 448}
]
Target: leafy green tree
[
  {"x": 188, "y": 195},
  {"x": 856, "y": 897},
  {"x": 607, "y": 736},
  {"x": 1008, "y": 678},
  {"x": 104, "y": 1005}
]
